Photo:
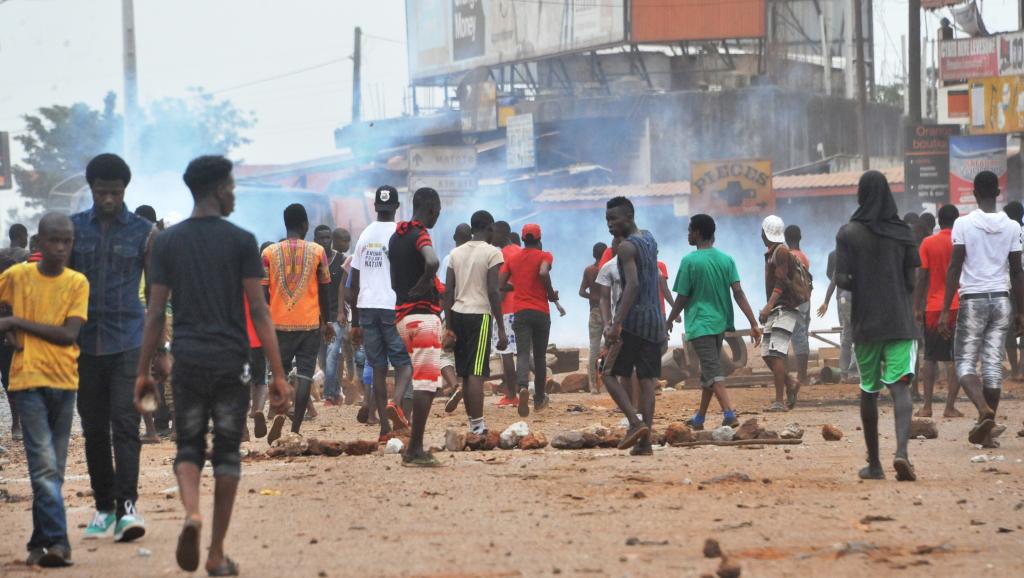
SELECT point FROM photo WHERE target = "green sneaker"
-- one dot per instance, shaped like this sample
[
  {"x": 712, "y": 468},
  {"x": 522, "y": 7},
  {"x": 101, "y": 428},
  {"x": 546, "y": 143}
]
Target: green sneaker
[
  {"x": 131, "y": 526},
  {"x": 101, "y": 524}
]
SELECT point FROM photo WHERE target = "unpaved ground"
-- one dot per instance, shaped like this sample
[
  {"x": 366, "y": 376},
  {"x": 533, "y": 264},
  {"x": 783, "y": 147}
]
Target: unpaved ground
[{"x": 571, "y": 513}]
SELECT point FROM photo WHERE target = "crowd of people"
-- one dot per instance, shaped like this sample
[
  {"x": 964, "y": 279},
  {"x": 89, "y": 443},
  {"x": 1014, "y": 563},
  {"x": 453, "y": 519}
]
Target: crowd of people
[{"x": 85, "y": 314}]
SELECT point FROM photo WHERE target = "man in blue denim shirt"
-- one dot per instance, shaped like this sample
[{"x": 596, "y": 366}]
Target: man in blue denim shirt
[{"x": 111, "y": 248}]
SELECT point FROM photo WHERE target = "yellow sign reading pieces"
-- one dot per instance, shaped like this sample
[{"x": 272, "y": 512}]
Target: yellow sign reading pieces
[{"x": 732, "y": 187}]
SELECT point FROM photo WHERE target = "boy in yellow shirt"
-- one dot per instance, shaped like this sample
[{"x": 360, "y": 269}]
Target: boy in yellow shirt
[{"x": 49, "y": 304}]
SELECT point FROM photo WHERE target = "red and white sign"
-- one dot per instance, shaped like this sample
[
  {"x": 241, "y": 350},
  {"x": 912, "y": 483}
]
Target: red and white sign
[{"x": 968, "y": 58}]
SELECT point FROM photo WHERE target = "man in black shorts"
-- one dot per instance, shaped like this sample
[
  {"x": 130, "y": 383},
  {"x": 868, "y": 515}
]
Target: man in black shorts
[
  {"x": 210, "y": 267},
  {"x": 472, "y": 303},
  {"x": 638, "y": 322}
]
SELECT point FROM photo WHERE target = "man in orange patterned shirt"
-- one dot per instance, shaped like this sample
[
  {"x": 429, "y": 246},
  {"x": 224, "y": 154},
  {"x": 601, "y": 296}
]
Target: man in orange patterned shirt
[{"x": 298, "y": 284}]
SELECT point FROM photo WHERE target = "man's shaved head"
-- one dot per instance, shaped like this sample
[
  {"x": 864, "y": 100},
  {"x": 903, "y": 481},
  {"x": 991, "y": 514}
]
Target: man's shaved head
[
  {"x": 463, "y": 233},
  {"x": 54, "y": 222}
]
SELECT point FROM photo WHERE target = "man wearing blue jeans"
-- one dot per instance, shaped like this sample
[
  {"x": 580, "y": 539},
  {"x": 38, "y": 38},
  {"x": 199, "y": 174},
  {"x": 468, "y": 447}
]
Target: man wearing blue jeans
[
  {"x": 48, "y": 304},
  {"x": 336, "y": 244},
  {"x": 373, "y": 318},
  {"x": 111, "y": 249}
]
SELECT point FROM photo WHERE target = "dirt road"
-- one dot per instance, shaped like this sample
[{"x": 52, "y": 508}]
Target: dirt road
[{"x": 584, "y": 513}]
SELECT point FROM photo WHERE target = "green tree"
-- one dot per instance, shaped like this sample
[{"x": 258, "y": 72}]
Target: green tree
[{"x": 60, "y": 140}]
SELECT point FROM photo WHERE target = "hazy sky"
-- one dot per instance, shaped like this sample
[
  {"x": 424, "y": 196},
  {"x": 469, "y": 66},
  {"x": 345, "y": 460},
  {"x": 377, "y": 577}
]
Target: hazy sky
[{"x": 63, "y": 51}]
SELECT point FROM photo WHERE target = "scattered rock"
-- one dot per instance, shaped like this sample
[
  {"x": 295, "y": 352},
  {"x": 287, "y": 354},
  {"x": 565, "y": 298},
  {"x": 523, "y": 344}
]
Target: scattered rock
[
  {"x": 361, "y": 448},
  {"x": 454, "y": 440},
  {"x": 723, "y": 434},
  {"x": 576, "y": 408},
  {"x": 847, "y": 548},
  {"x": 793, "y": 431},
  {"x": 982, "y": 458},
  {"x": 143, "y": 552},
  {"x": 872, "y": 518},
  {"x": 552, "y": 386},
  {"x": 712, "y": 549},
  {"x": 533, "y": 441},
  {"x": 634, "y": 541},
  {"x": 483, "y": 443},
  {"x": 657, "y": 437},
  {"x": 703, "y": 436},
  {"x": 597, "y": 430},
  {"x": 290, "y": 444},
  {"x": 767, "y": 435},
  {"x": 678, "y": 433},
  {"x": 394, "y": 446},
  {"x": 612, "y": 438},
  {"x": 590, "y": 439},
  {"x": 316, "y": 447},
  {"x": 572, "y": 440},
  {"x": 513, "y": 433},
  {"x": 728, "y": 478},
  {"x": 575, "y": 383},
  {"x": 750, "y": 430},
  {"x": 831, "y": 433},
  {"x": 728, "y": 569},
  {"x": 923, "y": 427}
]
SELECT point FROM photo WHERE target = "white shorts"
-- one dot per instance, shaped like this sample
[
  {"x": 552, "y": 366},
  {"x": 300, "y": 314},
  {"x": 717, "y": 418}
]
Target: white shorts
[{"x": 511, "y": 349}]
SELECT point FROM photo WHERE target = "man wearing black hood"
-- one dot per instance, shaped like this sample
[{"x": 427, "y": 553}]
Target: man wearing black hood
[{"x": 876, "y": 256}]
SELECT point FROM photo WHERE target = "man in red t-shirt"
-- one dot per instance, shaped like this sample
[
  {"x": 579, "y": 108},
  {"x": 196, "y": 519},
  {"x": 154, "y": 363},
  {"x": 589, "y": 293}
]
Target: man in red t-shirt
[
  {"x": 529, "y": 271},
  {"x": 936, "y": 253},
  {"x": 501, "y": 237}
]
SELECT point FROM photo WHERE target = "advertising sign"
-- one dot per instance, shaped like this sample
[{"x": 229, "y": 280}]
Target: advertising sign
[
  {"x": 5, "y": 161},
  {"x": 968, "y": 156},
  {"x": 675, "y": 20},
  {"x": 442, "y": 159},
  {"x": 519, "y": 142},
  {"x": 968, "y": 58},
  {"x": 1011, "y": 54},
  {"x": 926, "y": 162},
  {"x": 732, "y": 187},
  {"x": 444, "y": 184},
  {"x": 452, "y": 36},
  {"x": 997, "y": 105},
  {"x": 936, "y": 4},
  {"x": 478, "y": 102}
]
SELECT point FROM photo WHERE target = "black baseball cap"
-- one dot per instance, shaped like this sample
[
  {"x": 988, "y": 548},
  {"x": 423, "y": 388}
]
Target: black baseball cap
[{"x": 386, "y": 197}]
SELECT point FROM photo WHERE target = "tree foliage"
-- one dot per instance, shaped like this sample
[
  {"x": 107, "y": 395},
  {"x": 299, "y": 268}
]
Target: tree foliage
[{"x": 60, "y": 140}]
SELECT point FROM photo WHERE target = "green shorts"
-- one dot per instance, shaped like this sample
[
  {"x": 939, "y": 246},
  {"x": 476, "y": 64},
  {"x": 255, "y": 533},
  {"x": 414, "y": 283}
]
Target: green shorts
[{"x": 883, "y": 363}]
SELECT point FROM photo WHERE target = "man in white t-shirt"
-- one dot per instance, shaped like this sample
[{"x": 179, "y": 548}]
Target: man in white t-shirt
[
  {"x": 472, "y": 303},
  {"x": 373, "y": 318},
  {"x": 610, "y": 281},
  {"x": 986, "y": 264}
]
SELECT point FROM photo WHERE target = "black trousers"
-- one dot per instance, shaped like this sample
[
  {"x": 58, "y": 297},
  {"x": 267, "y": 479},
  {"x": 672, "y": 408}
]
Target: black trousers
[
  {"x": 111, "y": 426},
  {"x": 532, "y": 331},
  {"x": 302, "y": 346}
]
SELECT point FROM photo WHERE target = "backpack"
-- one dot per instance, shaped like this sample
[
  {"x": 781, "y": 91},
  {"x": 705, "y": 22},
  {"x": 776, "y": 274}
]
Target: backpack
[{"x": 800, "y": 280}]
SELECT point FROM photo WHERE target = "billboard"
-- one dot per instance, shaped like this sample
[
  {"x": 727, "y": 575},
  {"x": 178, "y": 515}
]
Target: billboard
[
  {"x": 442, "y": 159},
  {"x": 968, "y": 58},
  {"x": 1011, "y": 53},
  {"x": 732, "y": 187},
  {"x": 519, "y": 142},
  {"x": 674, "y": 20},
  {"x": 5, "y": 161},
  {"x": 452, "y": 36},
  {"x": 926, "y": 162},
  {"x": 968, "y": 156},
  {"x": 997, "y": 105}
]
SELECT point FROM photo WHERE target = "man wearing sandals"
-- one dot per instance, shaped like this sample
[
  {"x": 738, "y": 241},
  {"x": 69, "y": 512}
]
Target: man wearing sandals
[
  {"x": 876, "y": 261},
  {"x": 986, "y": 266},
  {"x": 781, "y": 314},
  {"x": 211, "y": 349}
]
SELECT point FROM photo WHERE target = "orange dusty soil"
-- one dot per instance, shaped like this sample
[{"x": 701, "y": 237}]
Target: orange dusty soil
[{"x": 593, "y": 512}]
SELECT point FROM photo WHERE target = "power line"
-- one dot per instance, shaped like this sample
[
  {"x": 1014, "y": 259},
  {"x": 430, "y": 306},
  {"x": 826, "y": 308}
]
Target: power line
[{"x": 282, "y": 75}]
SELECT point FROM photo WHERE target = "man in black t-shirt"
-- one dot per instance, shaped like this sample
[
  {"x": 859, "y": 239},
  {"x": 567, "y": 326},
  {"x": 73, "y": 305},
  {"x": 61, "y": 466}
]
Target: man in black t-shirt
[
  {"x": 414, "y": 266},
  {"x": 329, "y": 352},
  {"x": 209, "y": 267}
]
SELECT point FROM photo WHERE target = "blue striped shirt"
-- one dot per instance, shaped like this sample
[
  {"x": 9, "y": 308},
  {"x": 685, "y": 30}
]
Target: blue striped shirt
[{"x": 645, "y": 319}]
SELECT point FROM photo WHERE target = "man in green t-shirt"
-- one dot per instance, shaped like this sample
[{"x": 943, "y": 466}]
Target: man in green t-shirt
[{"x": 703, "y": 283}]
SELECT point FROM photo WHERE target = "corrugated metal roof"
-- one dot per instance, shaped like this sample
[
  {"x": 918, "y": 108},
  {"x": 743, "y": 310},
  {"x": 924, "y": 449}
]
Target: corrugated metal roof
[{"x": 681, "y": 188}]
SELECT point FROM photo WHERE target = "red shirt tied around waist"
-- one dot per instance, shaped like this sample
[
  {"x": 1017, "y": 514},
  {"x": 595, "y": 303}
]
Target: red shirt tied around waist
[
  {"x": 936, "y": 253},
  {"x": 524, "y": 274}
]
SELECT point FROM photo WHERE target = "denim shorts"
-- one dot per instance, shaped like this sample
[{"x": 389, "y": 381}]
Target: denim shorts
[
  {"x": 202, "y": 394},
  {"x": 778, "y": 332},
  {"x": 381, "y": 340},
  {"x": 981, "y": 329}
]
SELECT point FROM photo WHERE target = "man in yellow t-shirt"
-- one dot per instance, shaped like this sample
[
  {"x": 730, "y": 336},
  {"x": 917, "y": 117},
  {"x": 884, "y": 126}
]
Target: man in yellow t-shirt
[{"x": 49, "y": 304}]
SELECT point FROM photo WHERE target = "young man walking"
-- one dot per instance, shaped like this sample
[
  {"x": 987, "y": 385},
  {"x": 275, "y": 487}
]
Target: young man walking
[
  {"x": 936, "y": 253},
  {"x": 48, "y": 304},
  {"x": 787, "y": 290},
  {"x": 638, "y": 324},
  {"x": 501, "y": 238},
  {"x": 329, "y": 352},
  {"x": 529, "y": 271},
  {"x": 297, "y": 282},
  {"x": 876, "y": 255},
  {"x": 211, "y": 270},
  {"x": 373, "y": 319},
  {"x": 848, "y": 372},
  {"x": 111, "y": 250},
  {"x": 801, "y": 336},
  {"x": 590, "y": 291},
  {"x": 472, "y": 302},
  {"x": 414, "y": 266},
  {"x": 706, "y": 277},
  {"x": 986, "y": 266}
]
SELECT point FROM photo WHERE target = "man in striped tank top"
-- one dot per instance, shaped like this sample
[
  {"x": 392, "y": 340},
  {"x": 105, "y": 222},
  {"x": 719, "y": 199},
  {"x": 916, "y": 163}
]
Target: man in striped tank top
[{"x": 638, "y": 322}]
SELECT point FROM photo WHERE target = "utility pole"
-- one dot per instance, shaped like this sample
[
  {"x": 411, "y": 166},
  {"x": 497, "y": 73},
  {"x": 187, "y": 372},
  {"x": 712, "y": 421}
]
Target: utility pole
[
  {"x": 914, "y": 61},
  {"x": 131, "y": 81},
  {"x": 357, "y": 64},
  {"x": 826, "y": 52},
  {"x": 862, "y": 95}
]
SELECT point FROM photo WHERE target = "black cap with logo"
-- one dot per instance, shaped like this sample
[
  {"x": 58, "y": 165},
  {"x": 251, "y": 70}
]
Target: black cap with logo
[{"x": 386, "y": 198}]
